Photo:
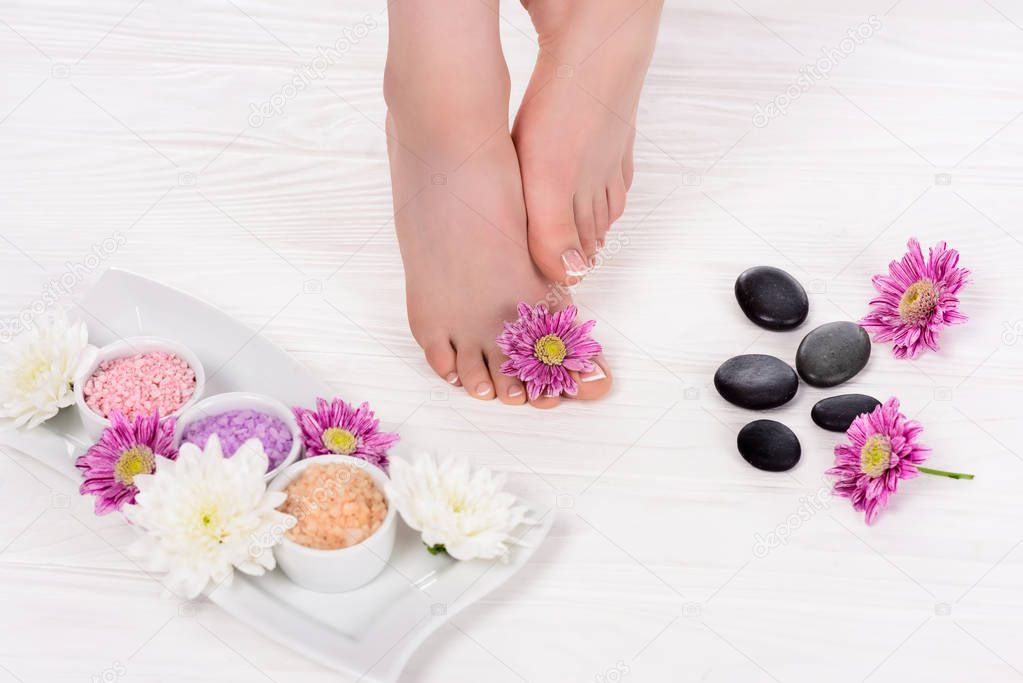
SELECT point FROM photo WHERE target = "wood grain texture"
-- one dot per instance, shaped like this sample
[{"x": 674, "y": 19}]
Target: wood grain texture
[{"x": 132, "y": 118}]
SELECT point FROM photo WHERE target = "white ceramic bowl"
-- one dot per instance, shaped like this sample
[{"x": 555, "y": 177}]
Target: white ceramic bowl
[
  {"x": 95, "y": 423},
  {"x": 241, "y": 400},
  {"x": 337, "y": 571}
]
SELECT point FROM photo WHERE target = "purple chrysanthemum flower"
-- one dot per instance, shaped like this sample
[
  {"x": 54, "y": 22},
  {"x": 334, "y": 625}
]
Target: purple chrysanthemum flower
[
  {"x": 542, "y": 347},
  {"x": 337, "y": 427},
  {"x": 916, "y": 299},
  {"x": 124, "y": 451},
  {"x": 882, "y": 451}
]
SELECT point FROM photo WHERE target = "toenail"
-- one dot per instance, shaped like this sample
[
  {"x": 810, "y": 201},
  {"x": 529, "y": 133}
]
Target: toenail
[
  {"x": 452, "y": 378},
  {"x": 482, "y": 389},
  {"x": 551, "y": 393},
  {"x": 514, "y": 391},
  {"x": 597, "y": 373},
  {"x": 574, "y": 264}
]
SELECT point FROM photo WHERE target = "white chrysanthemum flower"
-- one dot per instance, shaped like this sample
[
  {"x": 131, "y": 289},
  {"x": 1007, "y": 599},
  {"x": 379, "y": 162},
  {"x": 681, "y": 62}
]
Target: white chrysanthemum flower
[
  {"x": 205, "y": 515},
  {"x": 464, "y": 512},
  {"x": 37, "y": 369}
]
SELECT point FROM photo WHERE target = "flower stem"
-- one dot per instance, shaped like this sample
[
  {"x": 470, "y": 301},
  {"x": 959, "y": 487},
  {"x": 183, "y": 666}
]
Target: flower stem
[
  {"x": 943, "y": 473},
  {"x": 438, "y": 548}
]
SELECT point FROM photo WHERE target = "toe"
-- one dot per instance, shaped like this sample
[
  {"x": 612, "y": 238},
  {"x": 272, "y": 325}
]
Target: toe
[
  {"x": 586, "y": 224},
  {"x": 473, "y": 373},
  {"x": 596, "y": 383},
  {"x": 552, "y": 232},
  {"x": 601, "y": 214},
  {"x": 627, "y": 161},
  {"x": 441, "y": 357},
  {"x": 509, "y": 389},
  {"x": 616, "y": 199},
  {"x": 545, "y": 402}
]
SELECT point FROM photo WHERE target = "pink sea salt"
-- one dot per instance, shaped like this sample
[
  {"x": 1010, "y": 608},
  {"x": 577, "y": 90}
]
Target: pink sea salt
[
  {"x": 140, "y": 384},
  {"x": 235, "y": 427}
]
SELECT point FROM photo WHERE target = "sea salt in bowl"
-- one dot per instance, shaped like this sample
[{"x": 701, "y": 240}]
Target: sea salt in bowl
[
  {"x": 343, "y": 569},
  {"x": 219, "y": 404},
  {"x": 95, "y": 422}
]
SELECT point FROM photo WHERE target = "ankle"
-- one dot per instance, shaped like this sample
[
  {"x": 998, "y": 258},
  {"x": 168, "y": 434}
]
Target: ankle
[
  {"x": 571, "y": 33},
  {"x": 445, "y": 107}
]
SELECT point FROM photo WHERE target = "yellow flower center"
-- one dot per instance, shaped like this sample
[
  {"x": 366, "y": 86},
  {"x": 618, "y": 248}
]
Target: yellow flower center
[
  {"x": 918, "y": 301},
  {"x": 134, "y": 461},
  {"x": 550, "y": 350},
  {"x": 209, "y": 520},
  {"x": 340, "y": 441},
  {"x": 876, "y": 456}
]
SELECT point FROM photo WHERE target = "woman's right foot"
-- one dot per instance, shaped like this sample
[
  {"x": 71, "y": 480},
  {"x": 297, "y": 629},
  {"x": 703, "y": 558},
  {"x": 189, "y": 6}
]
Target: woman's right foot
[
  {"x": 575, "y": 129},
  {"x": 459, "y": 212}
]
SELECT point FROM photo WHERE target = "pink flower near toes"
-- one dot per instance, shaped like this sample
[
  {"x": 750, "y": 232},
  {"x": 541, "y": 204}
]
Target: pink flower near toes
[{"x": 542, "y": 348}]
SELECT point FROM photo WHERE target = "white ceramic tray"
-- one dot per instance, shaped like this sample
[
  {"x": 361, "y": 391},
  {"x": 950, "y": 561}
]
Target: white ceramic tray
[{"x": 369, "y": 633}]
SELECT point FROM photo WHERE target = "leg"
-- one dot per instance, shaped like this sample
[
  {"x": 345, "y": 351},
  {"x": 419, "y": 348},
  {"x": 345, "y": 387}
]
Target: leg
[{"x": 459, "y": 212}]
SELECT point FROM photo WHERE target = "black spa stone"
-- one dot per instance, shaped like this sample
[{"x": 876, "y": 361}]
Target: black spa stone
[
  {"x": 769, "y": 445},
  {"x": 756, "y": 381},
  {"x": 832, "y": 353},
  {"x": 836, "y": 413},
  {"x": 771, "y": 298}
]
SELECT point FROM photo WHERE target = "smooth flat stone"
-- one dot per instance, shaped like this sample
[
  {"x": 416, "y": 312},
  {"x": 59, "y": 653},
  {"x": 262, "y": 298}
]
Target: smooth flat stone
[
  {"x": 832, "y": 353},
  {"x": 836, "y": 413},
  {"x": 771, "y": 298},
  {"x": 769, "y": 445},
  {"x": 756, "y": 381}
]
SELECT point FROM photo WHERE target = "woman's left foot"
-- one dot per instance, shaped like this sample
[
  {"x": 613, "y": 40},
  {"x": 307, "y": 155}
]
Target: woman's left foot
[{"x": 575, "y": 129}]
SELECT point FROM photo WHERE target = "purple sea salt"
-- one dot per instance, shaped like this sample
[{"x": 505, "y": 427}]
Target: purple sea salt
[{"x": 235, "y": 427}]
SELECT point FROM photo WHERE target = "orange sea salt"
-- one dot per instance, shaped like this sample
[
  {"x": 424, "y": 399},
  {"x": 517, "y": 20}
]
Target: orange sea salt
[{"x": 337, "y": 505}]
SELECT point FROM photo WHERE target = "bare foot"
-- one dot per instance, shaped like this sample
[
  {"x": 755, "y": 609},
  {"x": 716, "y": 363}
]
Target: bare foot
[
  {"x": 575, "y": 129},
  {"x": 459, "y": 212}
]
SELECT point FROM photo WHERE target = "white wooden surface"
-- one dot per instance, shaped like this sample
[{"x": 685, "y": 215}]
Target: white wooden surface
[{"x": 132, "y": 117}]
